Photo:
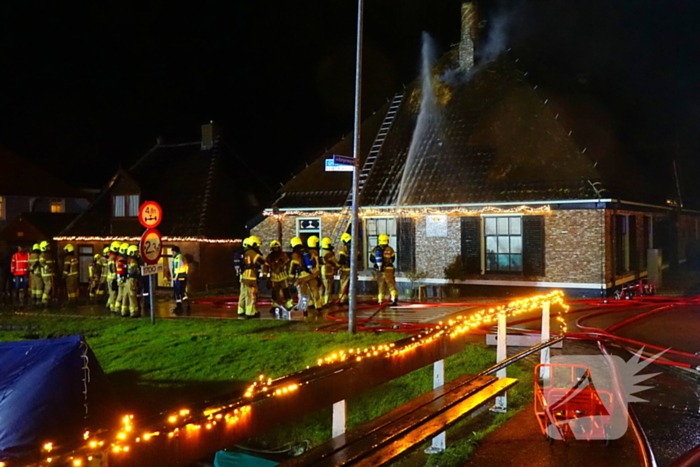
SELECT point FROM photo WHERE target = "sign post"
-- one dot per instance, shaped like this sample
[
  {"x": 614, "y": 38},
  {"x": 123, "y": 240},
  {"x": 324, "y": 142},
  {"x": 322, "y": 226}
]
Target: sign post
[{"x": 150, "y": 247}]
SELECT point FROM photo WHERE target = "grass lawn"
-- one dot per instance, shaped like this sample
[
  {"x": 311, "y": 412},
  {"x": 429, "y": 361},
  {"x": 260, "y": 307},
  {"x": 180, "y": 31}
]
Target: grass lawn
[{"x": 176, "y": 362}]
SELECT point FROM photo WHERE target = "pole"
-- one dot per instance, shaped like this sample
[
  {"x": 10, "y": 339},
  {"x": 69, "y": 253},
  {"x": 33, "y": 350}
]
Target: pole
[
  {"x": 501, "y": 404},
  {"x": 352, "y": 293},
  {"x": 152, "y": 297}
]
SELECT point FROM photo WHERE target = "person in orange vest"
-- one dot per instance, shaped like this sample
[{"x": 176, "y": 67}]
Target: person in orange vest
[
  {"x": 47, "y": 264},
  {"x": 19, "y": 267},
  {"x": 35, "y": 274},
  {"x": 70, "y": 273}
]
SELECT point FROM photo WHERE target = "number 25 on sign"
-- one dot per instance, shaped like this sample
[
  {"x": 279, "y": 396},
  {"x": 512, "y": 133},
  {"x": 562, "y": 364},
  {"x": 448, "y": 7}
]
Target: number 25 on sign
[{"x": 150, "y": 246}]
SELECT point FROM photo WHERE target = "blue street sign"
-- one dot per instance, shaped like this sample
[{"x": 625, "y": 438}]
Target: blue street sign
[
  {"x": 343, "y": 160},
  {"x": 333, "y": 167}
]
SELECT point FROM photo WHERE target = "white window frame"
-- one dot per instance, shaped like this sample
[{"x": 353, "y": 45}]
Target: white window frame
[
  {"x": 130, "y": 205},
  {"x": 369, "y": 244},
  {"x": 300, "y": 231},
  {"x": 484, "y": 243}
]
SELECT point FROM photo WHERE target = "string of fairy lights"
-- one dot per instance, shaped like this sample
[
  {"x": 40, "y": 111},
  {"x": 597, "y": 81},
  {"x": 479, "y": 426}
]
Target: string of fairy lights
[
  {"x": 186, "y": 422},
  {"x": 415, "y": 211},
  {"x": 117, "y": 238}
]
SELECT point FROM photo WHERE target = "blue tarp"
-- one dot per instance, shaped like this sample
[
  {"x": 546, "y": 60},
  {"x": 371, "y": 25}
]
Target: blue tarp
[
  {"x": 240, "y": 459},
  {"x": 50, "y": 391}
]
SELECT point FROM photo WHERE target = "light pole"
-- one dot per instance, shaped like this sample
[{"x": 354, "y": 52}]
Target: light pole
[{"x": 352, "y": 305}]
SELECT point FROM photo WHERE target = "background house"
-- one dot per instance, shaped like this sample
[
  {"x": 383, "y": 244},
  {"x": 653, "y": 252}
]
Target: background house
[
  {"x": 207, "y": 195},
  {"x": 510, "y": 184}
]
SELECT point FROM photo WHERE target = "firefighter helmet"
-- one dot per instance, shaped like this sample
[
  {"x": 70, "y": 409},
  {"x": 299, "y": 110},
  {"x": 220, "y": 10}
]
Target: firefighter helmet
[
  {"x": 295, "y": 241},
  {"x": 132, "y": 250},
  {"x": 326, "y": 243},
  {"x": 312, "y": 241},
  {"x": 97, "y": 256},
  {"x": 35, "y": 246},
  {"x": 254, "y": 241},
  {"x": 275, "y": 244},
  {"x": 114, "y": 247},
  {"x": 69, "y": 248},
  {"x": 44, "y": 246},
  {"x": 105, "y": 251},
  {"x": 346, "y": 237},
  {"x": 123, "y": 247},
  {"x": 383, "y": 239},
  {"x": 245, "y": 242}
]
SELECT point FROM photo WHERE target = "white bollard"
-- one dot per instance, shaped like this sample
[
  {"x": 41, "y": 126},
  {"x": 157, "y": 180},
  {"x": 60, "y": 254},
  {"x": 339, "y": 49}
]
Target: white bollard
[
  {"x": 544, "y": 353},
  {"x": 501, "y": 404},
  {"x": 339, "y": 418},
  {"x": 439, "y": 441}
]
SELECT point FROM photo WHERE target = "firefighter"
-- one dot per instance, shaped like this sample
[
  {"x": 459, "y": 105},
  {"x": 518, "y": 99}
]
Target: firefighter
[
  {"x": 130, "y": 302},
  {"x": 180, "y": 273},
  {"x": 47, "y": 266},
  {"x": 300, "y": 268},
  {"x": 120, "y": 274},
  {"x": 35, "y": 274},
  {"x": 382, "y": 257},
  {"x": 95, "y": 273},
  {"x": 329, "y": 266},
  {"x": 344, "y": 261},
  {"x": 317, "y": 292},
  {"x": 252, "y": 262},
  {"x": 276, "y": 268},
  {"x": 112, "y": 286},
  {"x": 103, "y": 285},
  {"x": 19, "y": 267},
  {"x": 70, "y": 273}
]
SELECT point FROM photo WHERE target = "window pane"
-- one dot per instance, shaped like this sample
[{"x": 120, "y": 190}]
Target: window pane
[
  {"x": 516, "y": 262},
  {"x": 503, "y": 245},
  {"x": 391, "y": 226},
  {"x": 504, "y": 262},
  {"x": 491, "y": 245},
  {"x": 133, "y": 205},
  {"x": 490, "y": 225},
  {"x": 119, "y": 206},
  {"x": 502, "y": 226},
  {"x": 516, "y": 245},
  {"x": 491, "y": 264},
  {"x": 85, "y": 250},
  {"x": 515, "y": 225}
]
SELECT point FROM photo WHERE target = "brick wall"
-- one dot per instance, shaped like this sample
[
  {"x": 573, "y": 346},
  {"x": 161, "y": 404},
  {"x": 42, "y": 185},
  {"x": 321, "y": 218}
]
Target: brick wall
[
  {"x": 433, "y": 254},
  {"x": 574, "y": 246}
]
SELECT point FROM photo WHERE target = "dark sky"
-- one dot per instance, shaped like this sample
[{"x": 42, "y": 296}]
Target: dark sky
[{"x": 85, "y": 86}]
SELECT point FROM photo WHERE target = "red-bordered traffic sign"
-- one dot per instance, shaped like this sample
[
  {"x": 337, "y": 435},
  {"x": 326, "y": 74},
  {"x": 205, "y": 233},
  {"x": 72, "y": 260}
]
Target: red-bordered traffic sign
[
  {"x": 150, "y": 214},
  {"x": 151, "y": 246}
]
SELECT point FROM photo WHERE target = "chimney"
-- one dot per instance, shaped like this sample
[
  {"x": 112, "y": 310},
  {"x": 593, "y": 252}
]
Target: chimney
[
  {"x": 470, "y": 29},
  {"x": 210, "y": 131}
]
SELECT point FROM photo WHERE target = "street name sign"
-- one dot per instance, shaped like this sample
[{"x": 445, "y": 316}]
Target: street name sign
[
  {"x": 150, "y": 214},
  {"x": 344, "y": 160},
  {"x": 151, "y": 246},
  {"x": 333, "y": 167}
]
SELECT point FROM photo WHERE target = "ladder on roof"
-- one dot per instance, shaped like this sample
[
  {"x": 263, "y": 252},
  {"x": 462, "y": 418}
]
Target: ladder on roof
[{"x": 344, "y": 219}]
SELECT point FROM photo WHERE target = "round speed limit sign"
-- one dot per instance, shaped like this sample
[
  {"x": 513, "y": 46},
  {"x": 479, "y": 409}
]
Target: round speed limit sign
[{"x": 150, "y": 246}]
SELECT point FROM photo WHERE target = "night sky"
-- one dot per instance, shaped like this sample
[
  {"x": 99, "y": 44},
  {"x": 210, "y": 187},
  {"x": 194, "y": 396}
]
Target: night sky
[{"x": 86, "y": 86}]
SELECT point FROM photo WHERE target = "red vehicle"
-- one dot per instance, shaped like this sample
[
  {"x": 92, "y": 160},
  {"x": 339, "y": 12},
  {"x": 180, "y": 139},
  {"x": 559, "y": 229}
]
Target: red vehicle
[
  {"x": 640, "y": 288},
  {"x": 567, "y": 405}
]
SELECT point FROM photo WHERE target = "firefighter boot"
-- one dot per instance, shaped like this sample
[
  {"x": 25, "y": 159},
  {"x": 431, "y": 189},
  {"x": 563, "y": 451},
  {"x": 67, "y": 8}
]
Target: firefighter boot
[{"x": 177, "y": 310}]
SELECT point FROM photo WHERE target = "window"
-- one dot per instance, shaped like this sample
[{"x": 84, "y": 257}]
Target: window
[
  {"x": 622, "y": 244},
  {"x": 125, "y": 206},
  {"x": 504, "y": 243},
  {"x": 58, "y": 205},
  {"x": 307, "y": 227},
  {"x": 2, "y": 207},
  {"x": 166, "y": 260},
  {"x": 376, "y": 226},
  {"x": 85, "y": 256}
]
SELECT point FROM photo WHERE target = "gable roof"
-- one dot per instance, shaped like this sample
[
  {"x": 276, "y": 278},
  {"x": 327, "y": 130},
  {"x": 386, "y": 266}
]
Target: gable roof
[
  {"x": 20, "y": 177},
  {"x": 45, "y": 225},
  {"x": 495, "y": 137},
  {"x": 204, "y": 192}
]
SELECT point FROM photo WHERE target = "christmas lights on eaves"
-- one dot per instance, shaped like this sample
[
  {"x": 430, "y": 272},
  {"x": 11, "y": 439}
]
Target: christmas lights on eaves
[
  {"x": 415, "y": 212},
  {"x": 225, "y": 241}
]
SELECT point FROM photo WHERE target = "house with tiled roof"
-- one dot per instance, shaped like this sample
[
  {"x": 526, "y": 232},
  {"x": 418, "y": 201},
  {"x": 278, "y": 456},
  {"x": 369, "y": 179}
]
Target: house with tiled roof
[
  {"x": 481, "y": 177},
  {"x": 27, "y": 188},
  {"x": 207, "y": 195}
]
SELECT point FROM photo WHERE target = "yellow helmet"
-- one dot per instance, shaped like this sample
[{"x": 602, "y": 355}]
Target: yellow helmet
[
  {"x": 383, "y": 239},
  {"x": 275, "y": 244},
  {"x": 132, "y": 250},
  {"x": 295, "y": 241},
  {"x": 254, "y": 241},
  {"x": 69, "y": 248},
  {"x": 114, "y": 247},
  {"x": 326, "y": 243},
  {"x": 35, "y": 246},
  {"x": 43, "y": 246},
  {"x": 105, "y": 251},
  {"x": 346, "y": 237},
  {"x": 123, "y": 247},
  {"x": 312, "y": 241},
  {"x": 97, "y": 256}
]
